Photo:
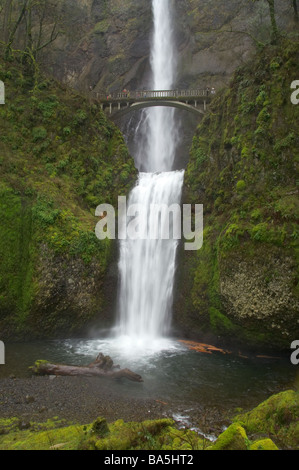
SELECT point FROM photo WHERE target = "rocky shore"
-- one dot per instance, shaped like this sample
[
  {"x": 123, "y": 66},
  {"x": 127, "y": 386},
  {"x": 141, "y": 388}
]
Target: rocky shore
[
  {"x": 82, "y": 400},
  {"x": 39, "y": 412}
]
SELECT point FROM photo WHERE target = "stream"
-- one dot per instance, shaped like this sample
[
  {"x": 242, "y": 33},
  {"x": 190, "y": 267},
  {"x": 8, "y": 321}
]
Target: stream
[{"x": 186, "y": 380}]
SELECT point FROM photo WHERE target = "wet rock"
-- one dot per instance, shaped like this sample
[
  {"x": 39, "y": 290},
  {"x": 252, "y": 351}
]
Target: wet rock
[
  {"x": 29, "y": 399},
  {"x": 264, "y": 444},
  {"x": 23, "y": 425},
  {"x": 234, "y": 438},
  {"x": 111, "y": 48},
  {"x": 100, "y": 427},
  {"x": 43, "y": 409}
]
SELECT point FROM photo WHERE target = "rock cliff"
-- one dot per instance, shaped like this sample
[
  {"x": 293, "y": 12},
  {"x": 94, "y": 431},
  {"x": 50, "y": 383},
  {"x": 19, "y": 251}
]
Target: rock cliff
[
  {"x": 106, "y": 43},
  {"x": 60, "y": 159},
  {"x": 243, "y": 167}
]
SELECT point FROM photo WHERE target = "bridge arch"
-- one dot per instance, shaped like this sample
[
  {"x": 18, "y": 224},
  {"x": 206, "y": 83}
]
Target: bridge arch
[
  {"x": 154, "y": 103},
  {"x": 119, "y": 104}
]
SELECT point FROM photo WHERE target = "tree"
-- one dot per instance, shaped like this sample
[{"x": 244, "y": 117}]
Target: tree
[
  {"x": 14, "y": 29},
  {"x": 5, "y": 12},
  {"x": 295, "y": 8},
  {"x": 275, "y": 32},
  {"x": 35, "y": 21},
  {"x": 36, "y": 17}
]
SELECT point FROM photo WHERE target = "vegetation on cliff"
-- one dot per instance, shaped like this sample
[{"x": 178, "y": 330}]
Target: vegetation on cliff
[
  {"x": 243, "y": 168},
  {"x": 59, "y": 158}
]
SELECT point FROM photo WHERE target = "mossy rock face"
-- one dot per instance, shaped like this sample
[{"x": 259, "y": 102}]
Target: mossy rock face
[
  {"x": 148, "y": 435},
  {"x": 60, "y": 158},
  {"x": 234, "y": 438},
  {"x": 263, "y": 444},
  {"x": 208, "y": 54},
  {"x": 278, "y": 417},
  {"x": 257, "y": 288},
  {"x": 100, "y": 427},
  {"x": 244, "y": 280}
]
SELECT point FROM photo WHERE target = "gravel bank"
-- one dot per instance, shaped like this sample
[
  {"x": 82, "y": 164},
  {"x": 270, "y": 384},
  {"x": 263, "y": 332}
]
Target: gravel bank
[
  {"x": 72, "y": 398},
  {"x": 82, "y": 400}
]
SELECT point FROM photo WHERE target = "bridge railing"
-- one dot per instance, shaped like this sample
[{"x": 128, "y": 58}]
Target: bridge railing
[{"x": 150, "y": 94}]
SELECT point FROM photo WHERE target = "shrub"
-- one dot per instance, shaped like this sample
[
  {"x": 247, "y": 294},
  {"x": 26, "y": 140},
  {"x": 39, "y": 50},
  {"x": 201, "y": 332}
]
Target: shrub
[
  {"x": 67, "y": 131},
  {"x": 80, "y": 117},
  {"x": 39, "y": 133},
  {"x": 43, "y": 212},
  {"x": 241, "y": 186}
]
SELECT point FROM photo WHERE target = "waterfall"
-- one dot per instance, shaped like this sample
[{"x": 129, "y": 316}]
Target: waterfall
[
  {"x": 158, "y": 134},
  {"x": 161, "y": 130},
  {"x": 147, "y": 267}
]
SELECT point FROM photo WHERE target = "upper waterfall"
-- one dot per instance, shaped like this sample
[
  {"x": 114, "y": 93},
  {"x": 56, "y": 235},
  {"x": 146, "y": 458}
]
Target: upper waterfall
[
  {"x": 163, "y": 57},
  {"x": 147, "y": 267},
  {"x": 158, "y": 145}
]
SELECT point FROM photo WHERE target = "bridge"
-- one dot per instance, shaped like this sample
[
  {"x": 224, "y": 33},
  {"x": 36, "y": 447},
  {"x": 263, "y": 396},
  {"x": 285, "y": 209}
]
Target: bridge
[{"x": 119, "y": 104}]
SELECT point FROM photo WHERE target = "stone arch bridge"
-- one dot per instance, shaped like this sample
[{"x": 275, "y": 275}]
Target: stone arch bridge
[{"x": 119, "y": 104}]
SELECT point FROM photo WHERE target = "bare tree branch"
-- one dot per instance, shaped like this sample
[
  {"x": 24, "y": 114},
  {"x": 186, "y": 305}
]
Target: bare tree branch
[{"x": 14, "y": 29}]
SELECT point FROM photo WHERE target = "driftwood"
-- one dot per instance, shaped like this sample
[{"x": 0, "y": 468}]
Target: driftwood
[{"x": 102, "y": 367}]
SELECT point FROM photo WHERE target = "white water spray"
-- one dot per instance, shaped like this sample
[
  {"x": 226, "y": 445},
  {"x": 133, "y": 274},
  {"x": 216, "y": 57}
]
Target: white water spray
[
  {"x": 159, "y": 140},
  {"x": 147, "y": 267},
  {"x": 162, "y": 134}
]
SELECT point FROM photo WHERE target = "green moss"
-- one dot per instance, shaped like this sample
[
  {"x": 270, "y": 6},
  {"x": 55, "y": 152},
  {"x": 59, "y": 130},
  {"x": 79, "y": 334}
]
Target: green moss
[
  {"x": 234, "y": 438},
  {"x": 246, "y": 153},
  {"x": 241, "y": 186},
  {"x": 67, "y": 438},
  {"x": 230, "y": 237},
  {"x": 287, "y": 207},
  {"x": 100, "y": 427},
  {"x": 39, "y": 133},
  {"x": 101, "y": 27},
  {"x": 278, "y": 417},
  {"x": 266, "y": 233},
  {"x": 147, "y": 435},
  {"x": 38, "y": 366},
  {"x": 220, "y": 324},
  {"x": 248, "y": 186},
  {"x": 17, "y": 256},
  {"x": 264, "y": 117},
  {"x": 263, "y": 444},
  {"x": 60, "y": 158},
  {"x": 285, "y": 143},
  {"x": 256, "y": 214}
]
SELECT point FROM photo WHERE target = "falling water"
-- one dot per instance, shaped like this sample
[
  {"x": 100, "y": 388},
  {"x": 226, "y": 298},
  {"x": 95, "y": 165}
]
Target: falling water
[
  {"x": 147, "y": 266},
  {"x": 158, "y": 151}
]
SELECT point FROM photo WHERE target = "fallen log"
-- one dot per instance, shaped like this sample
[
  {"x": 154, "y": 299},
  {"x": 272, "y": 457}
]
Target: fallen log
[
  {"x": 102, "y": 367},
  {"x": 202, "y": 347}
]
